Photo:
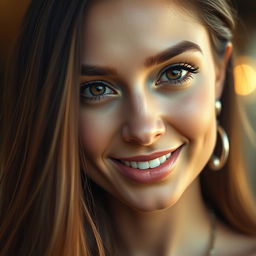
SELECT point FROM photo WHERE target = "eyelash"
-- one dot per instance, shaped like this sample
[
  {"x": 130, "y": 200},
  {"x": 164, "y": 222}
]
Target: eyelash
[
  {"x": 174, "y": 67},
  {"x": 88, "y": 85},
  {"x": 178, "y": 67}
]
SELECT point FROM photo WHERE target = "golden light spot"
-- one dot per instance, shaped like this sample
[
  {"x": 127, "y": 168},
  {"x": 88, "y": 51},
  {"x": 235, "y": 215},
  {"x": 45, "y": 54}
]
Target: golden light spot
[{"x": 245, "y": 78}]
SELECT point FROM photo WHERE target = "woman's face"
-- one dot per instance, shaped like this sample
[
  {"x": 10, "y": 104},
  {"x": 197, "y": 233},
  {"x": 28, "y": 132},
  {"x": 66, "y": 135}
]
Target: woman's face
[{"x": 148, "y": 89}]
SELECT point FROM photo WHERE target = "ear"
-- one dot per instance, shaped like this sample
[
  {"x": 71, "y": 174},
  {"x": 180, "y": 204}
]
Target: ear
[{"x": 221, "y": 70}]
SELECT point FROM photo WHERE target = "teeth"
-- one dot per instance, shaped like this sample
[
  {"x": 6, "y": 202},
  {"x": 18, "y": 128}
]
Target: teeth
[
  {"x": 154, "y": 163},
  {"x": 162, "y": 159},
  {"x": 126, "y": 163},
  {"x": 133, "y": 165},
  {"x": 147, "y": 164},
  {"x": 143, "y": 165}
]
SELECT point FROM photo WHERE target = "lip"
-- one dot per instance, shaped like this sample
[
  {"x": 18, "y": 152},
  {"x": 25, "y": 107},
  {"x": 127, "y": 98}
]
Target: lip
[
  {"x": 149, "y": 175},
  {"x": 148, "y": 157}
]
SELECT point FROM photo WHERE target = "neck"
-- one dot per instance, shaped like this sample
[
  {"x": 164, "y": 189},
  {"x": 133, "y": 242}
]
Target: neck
[{"x": 182, "y": 229}]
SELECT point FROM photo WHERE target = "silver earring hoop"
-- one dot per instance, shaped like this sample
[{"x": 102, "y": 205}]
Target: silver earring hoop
[{"x": 216, "y": 163}]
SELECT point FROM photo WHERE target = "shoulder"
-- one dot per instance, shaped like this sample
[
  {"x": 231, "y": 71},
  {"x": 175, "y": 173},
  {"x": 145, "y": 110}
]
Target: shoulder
[{"x": 230, "y": 242}]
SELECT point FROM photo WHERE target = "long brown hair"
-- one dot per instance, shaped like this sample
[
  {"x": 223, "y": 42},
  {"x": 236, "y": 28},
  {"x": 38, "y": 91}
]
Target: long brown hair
[{"x": 46, "y": 202}]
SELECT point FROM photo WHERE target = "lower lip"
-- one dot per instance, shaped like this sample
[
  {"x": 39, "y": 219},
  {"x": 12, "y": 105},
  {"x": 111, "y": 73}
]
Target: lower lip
[{"x": 149, "y": 175}]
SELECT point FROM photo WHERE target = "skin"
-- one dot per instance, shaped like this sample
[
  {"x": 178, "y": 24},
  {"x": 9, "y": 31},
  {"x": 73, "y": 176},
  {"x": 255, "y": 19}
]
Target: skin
[{"x": 138, "y": 116}]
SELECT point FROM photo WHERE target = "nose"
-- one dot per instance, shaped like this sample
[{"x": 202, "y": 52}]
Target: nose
[{"x": 144, "y": 124}]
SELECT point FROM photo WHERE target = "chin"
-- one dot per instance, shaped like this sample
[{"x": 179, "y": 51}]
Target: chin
[{"x": 151, "y": 205}]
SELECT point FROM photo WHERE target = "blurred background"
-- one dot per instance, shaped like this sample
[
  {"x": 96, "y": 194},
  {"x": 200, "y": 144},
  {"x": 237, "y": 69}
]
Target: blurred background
[
  {"x": 12, "y": 11},
  {"x": 245, "y": 77}
]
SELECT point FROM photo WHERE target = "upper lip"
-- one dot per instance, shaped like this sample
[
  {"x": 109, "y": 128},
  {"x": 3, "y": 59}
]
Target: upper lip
[{"x": 147, "y": 157}]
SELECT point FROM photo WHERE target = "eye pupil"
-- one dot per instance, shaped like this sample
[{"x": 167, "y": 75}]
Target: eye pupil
[
  {"x": 97, "y": 90},
  {"x": 174, "y": 73}
]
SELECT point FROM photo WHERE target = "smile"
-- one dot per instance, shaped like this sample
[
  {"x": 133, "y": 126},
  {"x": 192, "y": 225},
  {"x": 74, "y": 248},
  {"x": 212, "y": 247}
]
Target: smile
[
  {"x": 143, "y": 165},
  {"x": 148, "y": 168}
]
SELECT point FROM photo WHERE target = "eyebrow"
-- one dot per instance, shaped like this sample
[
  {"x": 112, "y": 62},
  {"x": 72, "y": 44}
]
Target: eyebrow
[
  {"x": 171, "y": 52},
  {"x": 90, "y": 70},
  {"x": 184, "y": 46}
]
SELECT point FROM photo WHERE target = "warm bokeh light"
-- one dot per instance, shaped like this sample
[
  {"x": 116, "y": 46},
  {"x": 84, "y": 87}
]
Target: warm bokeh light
[{"x": 245, "y": 76}]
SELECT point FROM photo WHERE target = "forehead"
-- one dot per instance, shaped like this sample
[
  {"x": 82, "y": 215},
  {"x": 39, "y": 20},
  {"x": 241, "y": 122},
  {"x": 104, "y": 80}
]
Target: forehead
[{"x": 126, "y": 29}]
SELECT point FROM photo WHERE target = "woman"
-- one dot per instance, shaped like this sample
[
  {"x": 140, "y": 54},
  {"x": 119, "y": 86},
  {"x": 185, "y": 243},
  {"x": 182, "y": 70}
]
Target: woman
[{"x": 128, "y": 168}]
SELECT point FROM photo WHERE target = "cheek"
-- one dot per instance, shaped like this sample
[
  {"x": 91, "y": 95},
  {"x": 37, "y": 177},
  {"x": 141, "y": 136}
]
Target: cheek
[
  {"x": 196, "y": 112},
  {"x": 97, "y": 129},
  {"x": 193, "y": 116},
  {"x": 91, "y": 132},
  {"x": 199, "y": 125}
]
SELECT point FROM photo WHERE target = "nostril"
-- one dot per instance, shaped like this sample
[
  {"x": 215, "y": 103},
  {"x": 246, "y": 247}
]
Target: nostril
[
  {"x": 143, "y": 131},
  {"x": 157, "y": 135}
]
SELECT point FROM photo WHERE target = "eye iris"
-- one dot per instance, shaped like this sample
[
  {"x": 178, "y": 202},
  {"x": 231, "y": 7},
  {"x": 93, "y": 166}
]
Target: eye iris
[
  {"x": 97, "y": 90},
  {"x": 174, "y": 73}
]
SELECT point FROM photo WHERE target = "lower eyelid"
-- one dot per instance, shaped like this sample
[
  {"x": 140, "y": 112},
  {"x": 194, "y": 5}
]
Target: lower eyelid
[{"x": 176, "y": 83}]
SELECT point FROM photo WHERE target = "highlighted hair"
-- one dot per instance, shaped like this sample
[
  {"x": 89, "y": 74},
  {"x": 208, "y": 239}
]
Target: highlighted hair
[{"x": 46, "y": 204}]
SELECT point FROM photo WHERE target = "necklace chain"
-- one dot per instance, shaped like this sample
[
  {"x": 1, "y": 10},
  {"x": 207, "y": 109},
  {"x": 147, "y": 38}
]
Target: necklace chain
[{"x": 211, "y": 247}]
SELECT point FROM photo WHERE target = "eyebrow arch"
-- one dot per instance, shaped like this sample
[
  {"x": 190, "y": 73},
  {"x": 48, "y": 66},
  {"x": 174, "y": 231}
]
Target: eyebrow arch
[
  {"x": 172, "y": 52},
  {"x": 91, "y": 70}
]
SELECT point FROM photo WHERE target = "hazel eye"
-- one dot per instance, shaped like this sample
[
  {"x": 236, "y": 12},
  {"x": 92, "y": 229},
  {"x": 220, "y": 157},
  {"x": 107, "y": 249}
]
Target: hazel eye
[
  {"x": 174, "y": 74},
  {"x": 177, "y": 74},
  {"x": 95, "y": 90}
]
